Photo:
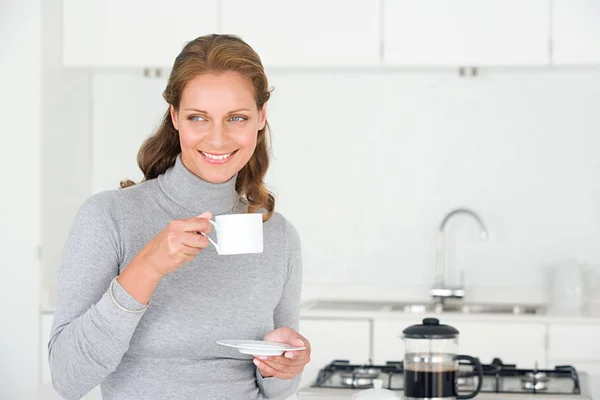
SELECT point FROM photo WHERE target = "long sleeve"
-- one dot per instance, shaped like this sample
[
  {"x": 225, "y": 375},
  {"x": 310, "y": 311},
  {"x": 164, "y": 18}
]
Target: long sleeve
[
  {"x": 90, "y": 331},
  {"x": 287, "y": 313}
]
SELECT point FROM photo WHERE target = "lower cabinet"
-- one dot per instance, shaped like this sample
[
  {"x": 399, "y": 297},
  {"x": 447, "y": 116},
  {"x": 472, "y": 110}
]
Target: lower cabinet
[
  {"x": 387, "y": 343},
  {"x": 330, "y": 339},
  {"x": 520, "y": 343},
  {"x": 572, "y": 341},
  {"x": 577, "y": 344}
]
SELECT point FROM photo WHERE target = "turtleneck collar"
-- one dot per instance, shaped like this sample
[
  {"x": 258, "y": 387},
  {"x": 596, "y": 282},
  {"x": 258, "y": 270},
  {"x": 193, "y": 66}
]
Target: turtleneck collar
[{"x": 195, "y": 194}]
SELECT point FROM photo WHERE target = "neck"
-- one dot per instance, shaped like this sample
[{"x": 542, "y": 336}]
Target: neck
[{"x": 195, "y": 194}]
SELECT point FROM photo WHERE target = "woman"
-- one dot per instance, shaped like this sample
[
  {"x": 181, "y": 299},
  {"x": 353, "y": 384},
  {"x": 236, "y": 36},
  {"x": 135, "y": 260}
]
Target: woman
[{"x": 141, "y": 297}]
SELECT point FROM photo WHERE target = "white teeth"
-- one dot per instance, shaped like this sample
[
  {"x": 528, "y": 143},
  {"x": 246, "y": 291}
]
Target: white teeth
[{"x": 214, "y": 157}]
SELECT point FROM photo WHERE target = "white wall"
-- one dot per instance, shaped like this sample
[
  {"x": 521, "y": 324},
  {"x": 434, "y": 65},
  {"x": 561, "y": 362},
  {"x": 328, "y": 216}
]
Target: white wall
[
  {"x": 384, "y": 156},
  {"x": 20, "y": 49},
  {"x": 368, "y": 162}
]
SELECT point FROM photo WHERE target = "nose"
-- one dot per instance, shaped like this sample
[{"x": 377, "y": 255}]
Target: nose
[{"x": 216, "y": 135}]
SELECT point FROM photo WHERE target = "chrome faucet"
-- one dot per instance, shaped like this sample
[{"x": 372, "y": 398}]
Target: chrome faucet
[{"x": 441, "y": 290}]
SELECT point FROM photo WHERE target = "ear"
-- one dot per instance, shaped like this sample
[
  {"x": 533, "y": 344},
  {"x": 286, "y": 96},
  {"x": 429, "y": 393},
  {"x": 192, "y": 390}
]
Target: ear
[
  {"x": 174, "y": 117},
  {"x": 263, "y": 117}
]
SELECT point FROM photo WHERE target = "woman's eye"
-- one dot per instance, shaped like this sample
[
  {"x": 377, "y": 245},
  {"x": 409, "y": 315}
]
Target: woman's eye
[
  {"x": 196, "y": 118},
  {"x": 238, "y": 118}
]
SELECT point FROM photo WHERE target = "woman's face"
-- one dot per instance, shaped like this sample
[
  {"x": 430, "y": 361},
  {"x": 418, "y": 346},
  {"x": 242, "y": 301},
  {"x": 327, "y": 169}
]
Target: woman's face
[{"x": 218, "y": 123}]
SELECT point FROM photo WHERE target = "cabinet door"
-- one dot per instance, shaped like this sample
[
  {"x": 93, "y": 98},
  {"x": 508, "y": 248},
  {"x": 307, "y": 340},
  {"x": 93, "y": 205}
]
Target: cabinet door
[
  {"x": 518, "y": 343},
  {"x": 514, "y": 343},
  {"x": 387, "y": 345},
  {"x": 307, "y": 33},
  {"x": 575, "y": 32},
  {"x": 132, "y": 33},
  {"x": 335, "y": 339},
  {"x": 574, "y": 342},
  {"x": 466, "y": 32}
]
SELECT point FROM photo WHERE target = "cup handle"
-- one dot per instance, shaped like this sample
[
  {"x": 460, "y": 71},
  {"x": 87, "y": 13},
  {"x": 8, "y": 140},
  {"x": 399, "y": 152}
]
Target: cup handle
[
  {"x": 479, "y": 370},
  {"x": 209, "y": 239}
]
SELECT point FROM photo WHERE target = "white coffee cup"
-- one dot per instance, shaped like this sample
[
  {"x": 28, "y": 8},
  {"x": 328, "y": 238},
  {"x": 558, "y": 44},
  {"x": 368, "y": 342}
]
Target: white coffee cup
[{"x": 238, "y": 233}]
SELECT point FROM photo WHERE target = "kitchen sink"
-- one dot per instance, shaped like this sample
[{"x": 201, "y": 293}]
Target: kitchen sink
[{"x": 417, "y": 307}]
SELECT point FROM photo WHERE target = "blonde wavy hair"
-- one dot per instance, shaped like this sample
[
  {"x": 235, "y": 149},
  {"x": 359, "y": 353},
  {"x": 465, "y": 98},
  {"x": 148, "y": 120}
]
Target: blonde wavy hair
[{"x": 215, "y": 53}]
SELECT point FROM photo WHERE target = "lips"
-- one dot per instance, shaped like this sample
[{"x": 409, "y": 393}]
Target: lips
[{"x": 216, "y": 158}]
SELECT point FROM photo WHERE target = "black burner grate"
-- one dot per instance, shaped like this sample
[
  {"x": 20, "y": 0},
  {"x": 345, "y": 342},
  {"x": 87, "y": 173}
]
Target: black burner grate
[{"x": 498, "y": 377}]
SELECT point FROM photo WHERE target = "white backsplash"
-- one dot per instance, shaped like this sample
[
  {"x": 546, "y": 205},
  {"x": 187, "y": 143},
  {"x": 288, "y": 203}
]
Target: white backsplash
[{"x": 366, "y": 164}]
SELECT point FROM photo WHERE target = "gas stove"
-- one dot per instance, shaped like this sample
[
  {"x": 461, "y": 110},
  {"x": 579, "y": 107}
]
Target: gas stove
[{"x": 341, "y": 378}]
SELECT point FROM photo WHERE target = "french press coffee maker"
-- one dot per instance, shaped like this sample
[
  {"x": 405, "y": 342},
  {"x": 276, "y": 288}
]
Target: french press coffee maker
[{"x": 431, "y": 362}]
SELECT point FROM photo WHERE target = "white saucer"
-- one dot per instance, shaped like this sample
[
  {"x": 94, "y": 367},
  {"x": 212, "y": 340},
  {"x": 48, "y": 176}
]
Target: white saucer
[{"x": 259, "y": 347}]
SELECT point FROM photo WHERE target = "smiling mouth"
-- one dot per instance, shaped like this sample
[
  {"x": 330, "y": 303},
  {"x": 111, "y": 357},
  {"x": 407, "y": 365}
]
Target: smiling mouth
[{"x": 214, "y": 158}]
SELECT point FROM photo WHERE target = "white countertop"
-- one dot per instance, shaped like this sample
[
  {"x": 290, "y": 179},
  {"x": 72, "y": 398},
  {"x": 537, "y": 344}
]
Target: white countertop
[{"x": 307, "y": 312}]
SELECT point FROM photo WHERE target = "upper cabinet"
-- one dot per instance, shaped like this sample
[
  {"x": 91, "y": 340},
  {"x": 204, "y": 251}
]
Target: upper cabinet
[
  {"x": 576, "y": 32},
  {"x": 338, "y": 33},
  {"x": 310, "y": 33},
  {"x": 132, "y": 33},
  {"x": 466, "y": 32}
]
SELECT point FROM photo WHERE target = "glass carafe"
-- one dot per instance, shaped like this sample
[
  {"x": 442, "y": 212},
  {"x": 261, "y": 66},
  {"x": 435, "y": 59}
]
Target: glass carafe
[{"x": 431, "y": 362}]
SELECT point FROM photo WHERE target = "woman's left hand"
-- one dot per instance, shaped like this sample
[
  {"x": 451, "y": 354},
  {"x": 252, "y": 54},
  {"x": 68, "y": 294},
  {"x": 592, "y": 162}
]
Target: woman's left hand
[{"x": 290, "y": 363}]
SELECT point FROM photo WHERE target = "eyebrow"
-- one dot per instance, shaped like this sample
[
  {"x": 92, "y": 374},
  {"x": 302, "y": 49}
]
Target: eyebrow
[{"x": 205, "y": 112}]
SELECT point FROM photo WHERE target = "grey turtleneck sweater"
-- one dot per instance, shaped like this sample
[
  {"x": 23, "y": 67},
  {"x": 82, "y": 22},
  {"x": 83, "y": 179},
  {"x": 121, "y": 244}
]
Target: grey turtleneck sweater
[{"x": 169, "y": 351}]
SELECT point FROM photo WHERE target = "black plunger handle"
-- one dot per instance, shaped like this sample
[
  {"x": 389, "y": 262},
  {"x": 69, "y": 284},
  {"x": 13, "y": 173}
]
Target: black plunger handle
[{"x": 479, "y": 370}]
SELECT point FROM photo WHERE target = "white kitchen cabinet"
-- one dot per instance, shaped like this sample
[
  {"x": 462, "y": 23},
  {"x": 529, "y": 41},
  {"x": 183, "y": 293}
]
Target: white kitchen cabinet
[
  {"x": 310, "y": 33},
  {"x": 132, "y": 33},
  {"x": 574, "y": 343},
  {"x": 330, "y": 339},
  {"x": 513, "y": 342},
  {"x": 387, "y": 344},
  {"x": 466, "y": 32},
  {"x": 520, "y": 343},
  {"x": 575, "y": 32}
]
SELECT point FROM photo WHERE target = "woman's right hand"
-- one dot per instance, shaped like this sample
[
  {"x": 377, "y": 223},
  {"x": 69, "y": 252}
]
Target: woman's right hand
[{"x": 177, "y": 244}]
